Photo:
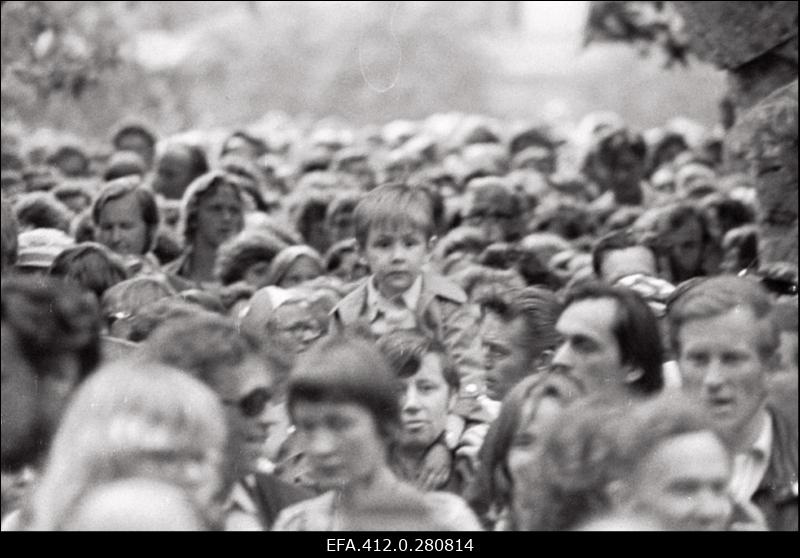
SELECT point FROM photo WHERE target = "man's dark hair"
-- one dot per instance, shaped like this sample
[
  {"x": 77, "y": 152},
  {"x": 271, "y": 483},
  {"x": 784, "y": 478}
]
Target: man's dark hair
[
  {"x": 538, "y": 308},
  {"x": 635, "y": 329},
  {"x": 203, "y": 345},
  {"x": 52, "y": 318},
  {"x": 35, "y": 210},
  {"x": 91, "y": 266},
  {"x": 405, "y": 349},
  {"x": 617, "y": 240}
]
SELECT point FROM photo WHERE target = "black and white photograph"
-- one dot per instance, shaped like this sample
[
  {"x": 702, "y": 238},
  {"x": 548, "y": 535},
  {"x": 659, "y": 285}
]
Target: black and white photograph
[{"x": 401, "y": 276}]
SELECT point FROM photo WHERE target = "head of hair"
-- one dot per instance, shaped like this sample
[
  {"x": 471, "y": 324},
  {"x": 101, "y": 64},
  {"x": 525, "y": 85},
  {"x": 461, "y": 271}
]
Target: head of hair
[
  {"x": 90, "y": 265},
  {"x": 568, "y": 482},
  {"x": 130, "y": 186},
  {"x": 635, "y": 328},
  {"x": 75, "y": 189},
  {"x": 127, "y": 297},
  {"x": 9, "y": 231},
  {"x": 258, "y": 145},
  {"x": 479, "y": 281},
  {"x": 493, "y": 479},
  {"x": 617, "y": 240},
  {"x": 394, "y": 205},
  {"x": 204, "y": 345},
  {"x": 238, "y": 254},
  {"x": 537, "y": 307},
  {"x": 405, "y": 350},
  {"x": 52, "y": 318},
  {"x": 124, "y": 163},
  {"x": 128, "y": 420},
  {"x": 346, "y": 367},
  {"x": 136, "y": 128},
  {"x": 649, "y": 424},
  {"x": 202, "y": 187},
  {"x": 152, "y": 316},
  {"x": 42, "y": 210},
  {"x": 717, "y": 296},
  {"x": 286, "y": 258}
]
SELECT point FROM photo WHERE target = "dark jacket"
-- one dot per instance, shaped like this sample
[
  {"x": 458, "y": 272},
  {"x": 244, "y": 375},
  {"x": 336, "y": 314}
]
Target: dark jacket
[
  {"x": 776, "y": 496},
  {"x": 272, "y": 495}
]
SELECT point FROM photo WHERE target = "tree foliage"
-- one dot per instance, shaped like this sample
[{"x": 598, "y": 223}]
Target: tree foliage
[{"x": 648, "y": 25}]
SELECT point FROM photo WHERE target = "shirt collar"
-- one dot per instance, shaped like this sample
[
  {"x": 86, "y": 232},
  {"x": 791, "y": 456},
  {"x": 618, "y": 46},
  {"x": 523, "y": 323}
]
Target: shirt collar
[
  {"x": 240, "y": 499},
  {"x": 376, "y": 301},
  {"x": 762, "y": 447}
]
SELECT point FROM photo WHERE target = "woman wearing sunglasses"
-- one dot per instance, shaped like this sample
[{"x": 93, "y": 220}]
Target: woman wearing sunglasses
[{"x": 344, "y": 403}]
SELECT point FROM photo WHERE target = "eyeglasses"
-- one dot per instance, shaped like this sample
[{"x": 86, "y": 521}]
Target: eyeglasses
[
  {"x": 301, "y": 328},
  {"x": 252, "y": 404}
]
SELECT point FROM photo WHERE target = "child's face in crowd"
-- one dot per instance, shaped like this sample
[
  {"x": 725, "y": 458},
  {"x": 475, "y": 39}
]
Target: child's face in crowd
[
  {"x": 121, "y": 227},
  {"x": 342, "y": 441},
  {"x": 395, "y": 256}
]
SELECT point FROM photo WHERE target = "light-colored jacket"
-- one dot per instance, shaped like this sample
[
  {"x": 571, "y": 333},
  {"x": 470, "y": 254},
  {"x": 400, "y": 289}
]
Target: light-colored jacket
[{"x": 444, "y": 312}]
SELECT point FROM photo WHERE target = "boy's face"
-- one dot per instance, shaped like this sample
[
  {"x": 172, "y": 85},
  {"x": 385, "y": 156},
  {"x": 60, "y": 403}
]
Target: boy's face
[{"x": 395, "y": 256}]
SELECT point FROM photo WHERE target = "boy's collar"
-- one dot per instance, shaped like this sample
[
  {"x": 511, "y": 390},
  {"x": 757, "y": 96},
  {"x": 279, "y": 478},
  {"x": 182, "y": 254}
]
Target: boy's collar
[{"x": 410, "y": 298}]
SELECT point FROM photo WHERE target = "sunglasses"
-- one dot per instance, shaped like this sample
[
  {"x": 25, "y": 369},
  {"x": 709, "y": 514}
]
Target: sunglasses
[{"x": 252, "y": 404}]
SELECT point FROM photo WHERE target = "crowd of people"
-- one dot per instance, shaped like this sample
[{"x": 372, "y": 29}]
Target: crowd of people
[{"x": 455, "y": 324}]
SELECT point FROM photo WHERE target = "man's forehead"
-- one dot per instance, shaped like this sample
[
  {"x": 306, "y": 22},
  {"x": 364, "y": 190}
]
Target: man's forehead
[
  {"x": 495, "y": 329},
  {"x": 589, "y": 317}
]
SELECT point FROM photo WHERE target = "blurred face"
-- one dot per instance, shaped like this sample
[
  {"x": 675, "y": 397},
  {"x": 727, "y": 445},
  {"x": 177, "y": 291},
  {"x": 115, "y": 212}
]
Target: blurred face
[
  {"x": 251, "y": 409},
  {"x": 341, "y": 440},
  {"x": 219, "y": 216},
  {"x": 342, "y": 226},
  {"x": 493, "y": 214},
  {"x": 257, "y": 275},
  {"x": 528, "y": 440},
  {"x": 627, "y": 261},
  {"x": 684, "y": 483},
  {"x": 121, "y": 227},
  {"x": 589, "y": 351},
  {"x": 295, "y": 327},
  {"x": 302, "y": 269},
  {"x": 506, "y": 354},
  {"x": 425, "y": 402},
  {"x": 686, "y": 250},
  {"x": 395, "y": 256},
  {"x": 173, "y": 174},
  {"x": 719, "y": 361}
]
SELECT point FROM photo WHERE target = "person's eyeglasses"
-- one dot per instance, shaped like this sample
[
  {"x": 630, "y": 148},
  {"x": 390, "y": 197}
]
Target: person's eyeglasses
[
  {"x": 252, "y": 404},
  {"x": 301, "y": 328},
  {"x": 775, "y": 285}
]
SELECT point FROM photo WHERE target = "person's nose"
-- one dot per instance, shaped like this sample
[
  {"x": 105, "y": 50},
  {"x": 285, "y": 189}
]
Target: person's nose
[
  {"x": 321, "y": 443},
  {"x": 410, "y": 400},
  {"x": 488, "y": 361},
  {"x": 711, "y": 507},
  {"x": 116, "y": 235},
  {"x": 714, "y": 376},
  {"x": 398, "y": 252},
  {"x": 562, "y": 358}
]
